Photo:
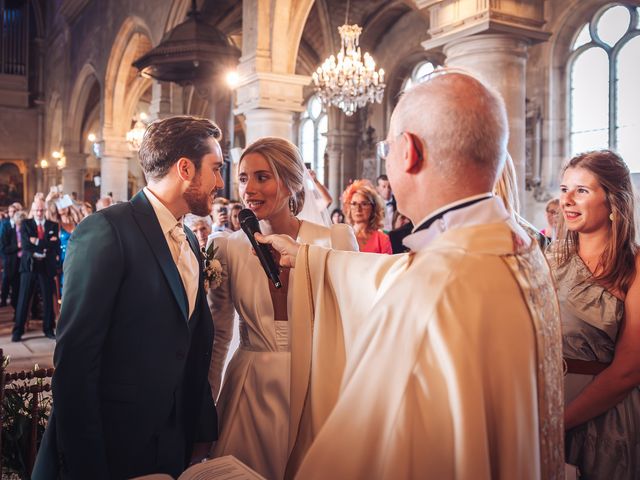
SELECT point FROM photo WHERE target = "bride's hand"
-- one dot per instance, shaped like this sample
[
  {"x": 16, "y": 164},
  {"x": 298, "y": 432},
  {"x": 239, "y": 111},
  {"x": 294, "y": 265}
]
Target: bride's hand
[{"x": 284, "y": 245}]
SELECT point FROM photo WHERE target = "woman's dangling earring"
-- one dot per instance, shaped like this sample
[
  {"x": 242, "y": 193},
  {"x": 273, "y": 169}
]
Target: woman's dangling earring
[{"x": 292, "y": 205}]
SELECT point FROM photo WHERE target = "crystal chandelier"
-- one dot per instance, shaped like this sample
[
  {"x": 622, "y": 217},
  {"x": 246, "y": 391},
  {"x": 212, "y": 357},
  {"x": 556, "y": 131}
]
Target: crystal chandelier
[
  {"x": 135, "y": 135},
  {"x": 350, "y": 81}
]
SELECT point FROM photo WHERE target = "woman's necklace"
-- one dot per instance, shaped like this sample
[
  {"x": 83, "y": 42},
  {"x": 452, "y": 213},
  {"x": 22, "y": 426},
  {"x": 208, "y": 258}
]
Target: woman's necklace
[{"x": 363, "y": 237}]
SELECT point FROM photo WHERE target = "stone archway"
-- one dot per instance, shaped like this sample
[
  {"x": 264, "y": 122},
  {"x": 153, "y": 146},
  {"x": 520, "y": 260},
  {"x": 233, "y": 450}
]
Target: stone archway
[
  {"x": 122, "y": 90},
  {"x": 85, "y": 82},
  {"x": 289, "y": 19},
  {"x": 121, "y": 78},
  {"x": 84, "y": 91}
]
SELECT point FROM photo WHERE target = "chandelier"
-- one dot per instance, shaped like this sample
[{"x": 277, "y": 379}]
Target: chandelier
[
  {"x": 135, "y": 135},
  {"x": 349, "y": 81}
]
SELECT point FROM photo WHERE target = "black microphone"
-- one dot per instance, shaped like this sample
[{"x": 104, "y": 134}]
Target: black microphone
[{"x": 249, "y": 224}]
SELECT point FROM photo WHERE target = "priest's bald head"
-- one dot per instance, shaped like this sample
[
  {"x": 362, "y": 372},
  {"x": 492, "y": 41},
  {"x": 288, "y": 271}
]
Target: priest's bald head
[{"x": 447, "y": 140}]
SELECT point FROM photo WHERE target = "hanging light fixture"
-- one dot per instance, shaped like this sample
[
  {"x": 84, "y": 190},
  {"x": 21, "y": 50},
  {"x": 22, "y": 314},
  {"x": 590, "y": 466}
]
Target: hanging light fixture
[
  {"x": 192, "y": 53},
  {"x": 349, "y": 80},
  {"x": 135, "y": 135},
  {"x": 61, "y": 160}
]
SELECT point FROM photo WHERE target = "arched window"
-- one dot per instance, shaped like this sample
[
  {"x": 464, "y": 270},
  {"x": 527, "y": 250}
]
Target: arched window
[
  {"x": 313, "y": 136},
  {"x": 418, "y": 74},
  {"x": 604, "y": 74}
]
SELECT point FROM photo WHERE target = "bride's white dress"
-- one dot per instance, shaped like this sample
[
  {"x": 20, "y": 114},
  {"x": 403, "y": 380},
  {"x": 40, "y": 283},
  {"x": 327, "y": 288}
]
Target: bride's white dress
[{"x": 253, "y": 406}]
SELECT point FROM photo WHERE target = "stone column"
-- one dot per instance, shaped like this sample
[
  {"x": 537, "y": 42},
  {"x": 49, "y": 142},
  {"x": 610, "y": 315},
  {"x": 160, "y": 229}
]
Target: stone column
[
  {"x": 268, "y": 102},
  {"x": 73, "y": 173},
  {"x": 500, "y": 60},
  {"x": 160, "y": 106},
  {"x": 263, "y": 122},
  {"x": 342, "y": 147},
  {"x": 114, "y": 169}
]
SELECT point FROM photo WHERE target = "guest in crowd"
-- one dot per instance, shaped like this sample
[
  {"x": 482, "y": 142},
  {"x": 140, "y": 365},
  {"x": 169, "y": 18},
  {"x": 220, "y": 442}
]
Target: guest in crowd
[
  {"x": 399, "y": 220},
  {"x": 104, "y": 202},
  {"x": 234, "y": 210},
  {"x": 596, "y": 264},
  {"x": 322, "y": 190},
  {"x": 86, "y": 209},
  {"x": 337, "y": 216},
  {"x": 52, "y": 214},
  {"x": 365, "y": 212},
  {"x": 200, "y": 226},
  {"x": 11, "y": 248},
  {"x": 254, "y": 401},
  {"x": 552, "y": 212},
  {"x": 69, "y": 219},
  {"x": 9, "y": 259},
  {"x": 38, "y": 264},
  {"x": 220, "y": 216},
  {"x": 383, "y": 187}
]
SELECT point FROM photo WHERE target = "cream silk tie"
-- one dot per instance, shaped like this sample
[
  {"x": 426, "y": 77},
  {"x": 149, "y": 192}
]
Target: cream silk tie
[{"x": 187, "y": 264}]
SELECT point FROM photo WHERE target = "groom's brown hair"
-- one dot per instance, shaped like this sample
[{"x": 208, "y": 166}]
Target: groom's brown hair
[{"x": 168, "y": 140}]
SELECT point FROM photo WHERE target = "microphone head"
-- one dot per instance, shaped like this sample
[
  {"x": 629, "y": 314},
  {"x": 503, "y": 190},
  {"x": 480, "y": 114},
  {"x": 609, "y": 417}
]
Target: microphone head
[
  {"x": 244, "y": 214},
  {"x": 248, "y": 221}
]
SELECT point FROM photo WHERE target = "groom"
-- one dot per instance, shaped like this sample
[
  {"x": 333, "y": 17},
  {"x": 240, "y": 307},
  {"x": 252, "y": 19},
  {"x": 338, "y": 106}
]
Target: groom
[{"x": 130, "y": 389}]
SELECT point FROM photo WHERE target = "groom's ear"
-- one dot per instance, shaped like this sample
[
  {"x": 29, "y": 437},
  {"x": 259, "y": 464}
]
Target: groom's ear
[{"x": 185, "y": 168}]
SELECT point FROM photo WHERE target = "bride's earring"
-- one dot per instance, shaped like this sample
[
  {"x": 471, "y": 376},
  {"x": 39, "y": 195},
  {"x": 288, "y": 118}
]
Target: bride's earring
[{"x": 292, "y": 205}]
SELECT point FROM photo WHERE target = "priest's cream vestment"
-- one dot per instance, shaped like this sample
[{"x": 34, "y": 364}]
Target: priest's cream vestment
[{"x": 442, "y": 363}]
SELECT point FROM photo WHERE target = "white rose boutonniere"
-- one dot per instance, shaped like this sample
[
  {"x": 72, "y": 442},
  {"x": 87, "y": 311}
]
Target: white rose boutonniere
[{"x": 212, "y": 268}]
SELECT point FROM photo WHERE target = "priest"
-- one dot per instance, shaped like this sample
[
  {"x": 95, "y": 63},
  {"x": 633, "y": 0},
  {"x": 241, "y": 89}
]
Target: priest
[{"x": 444, "y": 362}]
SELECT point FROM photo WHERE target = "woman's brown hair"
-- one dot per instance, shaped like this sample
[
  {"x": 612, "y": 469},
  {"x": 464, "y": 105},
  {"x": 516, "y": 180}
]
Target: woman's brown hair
[
  {"x": 364, "y": 188},
  {"x": 616, "y": 268}
]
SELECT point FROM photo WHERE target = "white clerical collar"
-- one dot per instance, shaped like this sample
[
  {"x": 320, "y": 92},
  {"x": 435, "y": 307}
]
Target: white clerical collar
[
  {"x": 450, "y": 206},
  {"x": 489, "y": 210},
  {"x": 165, "y": 217}
]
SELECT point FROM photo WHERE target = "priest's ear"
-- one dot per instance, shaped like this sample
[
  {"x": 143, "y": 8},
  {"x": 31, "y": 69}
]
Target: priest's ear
[{"x": 415, "y": 152}]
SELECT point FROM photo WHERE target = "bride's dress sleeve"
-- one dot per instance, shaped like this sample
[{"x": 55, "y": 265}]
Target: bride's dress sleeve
[{"x": 220, "y": 301}]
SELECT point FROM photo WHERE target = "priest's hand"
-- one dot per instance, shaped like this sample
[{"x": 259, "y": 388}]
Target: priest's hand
[{"x": 286, "y": 246}]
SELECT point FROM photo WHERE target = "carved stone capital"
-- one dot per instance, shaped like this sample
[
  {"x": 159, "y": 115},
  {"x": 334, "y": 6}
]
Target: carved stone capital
[
  {"x": 454, "y": 19},
  {"x": 270, "y": 90}
]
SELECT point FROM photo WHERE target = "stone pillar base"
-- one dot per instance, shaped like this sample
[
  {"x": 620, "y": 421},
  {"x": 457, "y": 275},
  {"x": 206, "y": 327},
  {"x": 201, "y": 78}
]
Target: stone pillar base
[
  {"x": 73, "y": 181},
  {"x": 114, "y": 177},
  {"x": 265, "y": 122}
]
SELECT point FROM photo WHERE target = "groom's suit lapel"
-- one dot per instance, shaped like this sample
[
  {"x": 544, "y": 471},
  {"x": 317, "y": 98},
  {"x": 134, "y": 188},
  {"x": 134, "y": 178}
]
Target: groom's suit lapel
[{"x": 146, "y": 218}]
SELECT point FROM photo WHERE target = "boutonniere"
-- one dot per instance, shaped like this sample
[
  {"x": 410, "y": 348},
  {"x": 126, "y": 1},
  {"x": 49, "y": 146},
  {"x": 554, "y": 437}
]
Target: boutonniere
[{"x": 212, "y": 267}]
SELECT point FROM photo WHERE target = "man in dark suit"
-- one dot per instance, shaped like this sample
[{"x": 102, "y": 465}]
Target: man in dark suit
[
  {"x": 383, "y": 187},
  {"x": 11, "y": 248},
  {"x": 38, "y": 264},
  {"x": 130, "y": 390},
  {"x": 10, "y": 271}
]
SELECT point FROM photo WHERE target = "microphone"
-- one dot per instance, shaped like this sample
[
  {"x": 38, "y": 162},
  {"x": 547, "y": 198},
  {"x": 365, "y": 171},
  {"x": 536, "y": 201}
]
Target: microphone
[{"x": 249, "y": 224}]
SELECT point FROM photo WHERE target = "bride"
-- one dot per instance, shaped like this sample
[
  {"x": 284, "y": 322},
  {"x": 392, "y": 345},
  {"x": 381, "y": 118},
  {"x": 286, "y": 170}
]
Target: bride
[{"x": 253, "y": 406}]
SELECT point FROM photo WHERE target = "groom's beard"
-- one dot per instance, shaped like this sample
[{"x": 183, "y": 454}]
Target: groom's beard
[{"x": 197, "y": 200}]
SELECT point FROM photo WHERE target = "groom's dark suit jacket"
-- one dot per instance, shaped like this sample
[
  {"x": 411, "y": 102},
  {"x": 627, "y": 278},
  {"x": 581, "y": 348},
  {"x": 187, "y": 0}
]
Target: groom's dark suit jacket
[{"x": 130, "y": 390}]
